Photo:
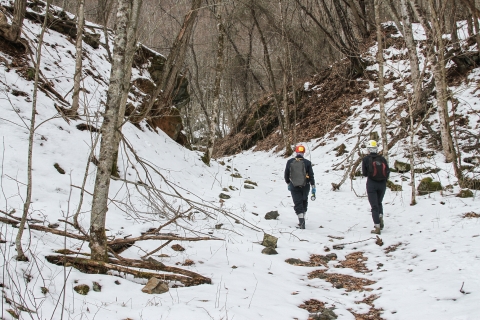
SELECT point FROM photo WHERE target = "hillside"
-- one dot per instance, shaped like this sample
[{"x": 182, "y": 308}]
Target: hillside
[{"x": 427, "y": 267}]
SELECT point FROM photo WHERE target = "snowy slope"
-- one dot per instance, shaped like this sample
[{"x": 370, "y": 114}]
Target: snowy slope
[{"x": 421, "y": 279}]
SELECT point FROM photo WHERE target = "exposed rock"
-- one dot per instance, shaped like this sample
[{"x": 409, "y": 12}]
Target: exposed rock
[
  {"x": 401, "y": 167},
  {"x": 251, "y": 182},
  {"x": 157, "y": 63},
  {"x": 236, "y": 175},
  {"x": 97, "y": 287},
  {"x": 224, "y": 196},
  {"x": 269, "y": 251},
  {"x": 272, "y": 215},
  {"x": 341, "y": 149},
  {"x": 472, "y": 160},
  {"x": 169, "y": 121},
  {"x": 59, "y": 169},
  {"x": 466, "y": 193},
  {"x": 247, "y": 186},
  {"x": 427, "y": 185},
  {"x": 177, "y": 247},
  {"x": 269, "y": 241},
  {"x": 145, "y": 85},
  {"x": 82, "y": 289},
  {"x": 155, "y": 286},
  {"x": 326, "y": 314},
  {"x": 92, "y": 39},
  {"x": 219, "y": 226},
  {"x": 393, "y": 186}
]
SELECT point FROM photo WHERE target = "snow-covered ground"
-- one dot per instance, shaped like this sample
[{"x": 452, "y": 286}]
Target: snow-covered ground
[{"x": 437, "y": 250}]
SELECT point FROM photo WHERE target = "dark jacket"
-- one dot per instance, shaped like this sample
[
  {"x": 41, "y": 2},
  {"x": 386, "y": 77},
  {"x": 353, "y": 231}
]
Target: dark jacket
[
  {"x": 366, "y": 164},
  {"x": 308, "y": 169}
]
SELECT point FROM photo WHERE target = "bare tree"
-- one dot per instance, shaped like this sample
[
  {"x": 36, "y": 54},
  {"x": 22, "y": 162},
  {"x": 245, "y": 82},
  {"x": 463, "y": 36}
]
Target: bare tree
[
  {"x": 28, "y": 199},
  {"x": 273, "y": 86},
  {"x": 98, "y": 239},
  {"x": 131, "y": 47},
  {"x": 12, "y": 32},
  {"x": 217, "y": 85},
  {"x": 381, "y": 87},
  {"x": 78, "y": 58}
]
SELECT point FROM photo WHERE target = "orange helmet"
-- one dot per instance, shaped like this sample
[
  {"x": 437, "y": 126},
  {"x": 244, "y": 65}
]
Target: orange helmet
[{"x": 300, "y": 149}]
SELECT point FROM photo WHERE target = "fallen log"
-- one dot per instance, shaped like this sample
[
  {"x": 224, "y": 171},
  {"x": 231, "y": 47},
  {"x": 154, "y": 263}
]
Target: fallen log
[{"x": 93, "y": 266}]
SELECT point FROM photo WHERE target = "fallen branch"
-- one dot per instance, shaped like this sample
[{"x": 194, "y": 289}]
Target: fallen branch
[{"x": 159, "y": 237}]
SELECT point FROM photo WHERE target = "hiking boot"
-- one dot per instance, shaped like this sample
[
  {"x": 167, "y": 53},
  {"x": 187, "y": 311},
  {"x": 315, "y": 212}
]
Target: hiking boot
[
  {"x": 376, "y": 230},
  {"x": 381, "y": 223},
  {"x": 301, "y": 225}
]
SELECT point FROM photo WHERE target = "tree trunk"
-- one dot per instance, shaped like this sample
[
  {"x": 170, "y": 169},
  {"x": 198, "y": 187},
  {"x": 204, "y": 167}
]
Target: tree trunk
[
  {"x": 273, "y": 86},
  {"x": 78, "y": 59},
  {"x": 410, "y": 42},
  {"x": 358, "y": 19},
  {"x": 12, "y": 32},
  {"x": 98, "y": 239},
  {"x": 453, "y": 26},
  {"x": 216, "y": 88},
  {"x": 438, "y": 62},
  {"x": 129, "y": 53},
  {"x": 381, "y": 88},
  {"x": 166, "y": 86},
  {"x": 28, "y": 200}
]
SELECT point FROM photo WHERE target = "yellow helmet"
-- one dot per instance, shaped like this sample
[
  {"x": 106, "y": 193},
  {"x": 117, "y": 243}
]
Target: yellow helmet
[{"x": 372, "y": 144}]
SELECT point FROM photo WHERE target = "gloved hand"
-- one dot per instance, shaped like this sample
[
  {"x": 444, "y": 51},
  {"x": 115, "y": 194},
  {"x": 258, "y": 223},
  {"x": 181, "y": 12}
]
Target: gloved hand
[
  {"x": 314, "y": 190},
  {"x": 289, "y": 187}
]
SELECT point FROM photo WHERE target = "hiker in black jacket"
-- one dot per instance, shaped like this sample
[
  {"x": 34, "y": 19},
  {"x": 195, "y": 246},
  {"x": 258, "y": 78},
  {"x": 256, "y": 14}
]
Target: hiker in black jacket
[
  {"x": 375, "y": 167},
  {"x": 299, "y": 177}
]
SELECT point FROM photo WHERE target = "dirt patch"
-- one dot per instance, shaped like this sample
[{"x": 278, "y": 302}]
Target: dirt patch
[
  {"x": 470, "y": 215},
  {"x": 341, "y": 281},
  {"x": 355, "y": 261}
]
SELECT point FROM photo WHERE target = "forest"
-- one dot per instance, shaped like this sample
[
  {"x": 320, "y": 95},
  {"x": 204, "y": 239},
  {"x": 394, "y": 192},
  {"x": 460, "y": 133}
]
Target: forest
[{"x": 219, "y": 79}]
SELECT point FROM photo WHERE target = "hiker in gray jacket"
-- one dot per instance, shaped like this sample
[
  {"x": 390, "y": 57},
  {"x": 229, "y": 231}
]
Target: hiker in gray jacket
[{"x": 299, "y": 177}]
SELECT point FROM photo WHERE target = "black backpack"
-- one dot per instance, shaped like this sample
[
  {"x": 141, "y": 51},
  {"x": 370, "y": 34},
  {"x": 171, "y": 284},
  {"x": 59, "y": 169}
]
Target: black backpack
[
  {"x": 298, "y": 173},
  {"x": 378, "y": 168}
]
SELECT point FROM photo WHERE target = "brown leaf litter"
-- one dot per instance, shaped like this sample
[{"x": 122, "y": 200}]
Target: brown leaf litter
[
  {"x": 392, "y": 248},
  {"x": 355, "y": 261},
  {"x": 373, "y": 313},
  {"x": 316, "y": 260},
  {"x": 342, "y": 281}
]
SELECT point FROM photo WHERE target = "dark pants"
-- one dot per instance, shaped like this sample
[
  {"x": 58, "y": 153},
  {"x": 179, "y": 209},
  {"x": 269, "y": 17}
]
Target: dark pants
[
  {"x": 300, "y": 198},
  {"x": 375, "y": 192}
]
